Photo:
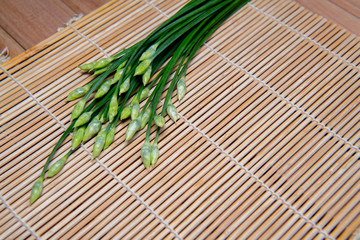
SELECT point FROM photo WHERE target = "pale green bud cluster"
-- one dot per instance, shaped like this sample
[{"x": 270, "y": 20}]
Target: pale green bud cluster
[
  {"x": 147, "y": 75},
  {"x": 78, "y": 109},
  {"x": 135, "y": 109},
  {"x": 84, "y": 118},
  {"x": 142, "y": 67},
  {"x": 113, "y": 108},
  {"x": 150, "y": 52},
  {"x": 109, "y": 137},
  {"x": 103, "y": 89},
  {"x": 102, "y": 63},
  {"x": 144, "y": 94},
  {"x": 124, "y": 87},
  {"x": 149, "y": 154},
  {"x": 99, "y": 143},
  {"x": 57, "y": 166},
  {"x": 181, "y": 88},
  {"x": 92, "y": 129},
  {"x": 78, "y": 136},
  {"x": 159, "y": 121},
  {"x": 171, "y": 111},
  {"x": 77, "y": 93},
  {"x": 36, "y": 190},
  {"x": 145, "y": 118},
  {"x": 133, "y": 127},
  {"x": 126, "y": 112},
  {"x": 146, "y": 154}
]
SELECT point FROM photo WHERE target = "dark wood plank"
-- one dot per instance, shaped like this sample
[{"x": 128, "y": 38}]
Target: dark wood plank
[
  {"x": 32, "y": 21},
  {"x": 7, "y": 41},
  {"x": 84, "y": 6}
]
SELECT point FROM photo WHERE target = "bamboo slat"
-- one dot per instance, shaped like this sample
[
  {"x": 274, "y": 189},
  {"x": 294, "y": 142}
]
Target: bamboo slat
[{"x": 266, "y": 145}]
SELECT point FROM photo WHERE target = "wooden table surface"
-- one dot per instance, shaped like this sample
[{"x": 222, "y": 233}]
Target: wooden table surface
[{"x": 25, "y": 23}]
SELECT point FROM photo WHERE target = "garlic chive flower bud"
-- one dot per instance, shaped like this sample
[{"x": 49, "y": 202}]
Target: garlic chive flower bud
[
  {"x": 171, "y": 111},
  {"x": 149, "y": 53},
  {"x": 145, "y": 118},
  {"x": 146, "y": 76},
  {"x": 78, "y": 136},
  {"x": 109, "y": 137},
  {"x": 113, "y": 108},
  {"x": 77, "y": 93},
  {"x": 154, "y": 154},
  {"x": 126, "y": 112},
  {"x": 103, "y": 89},
  {"x": 135, "y": 109},
  {"x": 181, "y": 88},
  {"x": 57, "y": 166},
  {"x": 84, "y": 118},
  {"x": 99, "y": 143},
  {"x": 144, "y": 94},
  {"x": 125, "y": 86},
  {"x": 78, "y": 108},
  {"x": 159, "y": 121},
  {"x": 146, "y": 154},
  {"x": 87, "y": 66},
  {"x": 104, "y": 117},
  {"x": 92, "y": 129},
  {"x": 142, "y": 67},
  {"x": 102, "y": 63},
  {"x": 133, "y": 127},
  {"x": 36, "y": 190},
  {"x": 101, "y": 70},
  {"x": 118, "y": 74}
]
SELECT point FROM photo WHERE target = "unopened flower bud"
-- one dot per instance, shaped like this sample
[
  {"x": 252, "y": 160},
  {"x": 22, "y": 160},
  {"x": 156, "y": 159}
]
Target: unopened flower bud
[
  {"x": 78, "y": 109},
  {"x": 146, "y": 76},
  {"x": 102, "y": 63},
  {"x": 149, "y": 53},
  {"x": 99, "y": 143},
  {"x": 77, "y": 93},
  {"x": 101, "y": 70},
  {"x": 159, "y": 121},
  {"x": 181, "y": 89},
  {"x": 78, "y": 136},
  {"x": 92, "y": 129},
  {"x": 113, "y": 108},
  {"x": 144, "y": 94},
  {"x": 103, "y": 89},
  {"x": 145, "y": 118},
  {"x": 84, "y": 118},
  {"x": 142, "y": 67},
  {"x": 57, "y": 166},
  {"x": 109, "y": 137},
  {"x": 135, "y": 109},
  {"x": 154, "y": 154},
  {"x": 36, "y": 190},
  {"x": 171, "y": 111},
  {"x": 146, "y": 154},
  {"x": 126, "y": 112},
  {"x": 118, "y": 74},
  {"x": 133, "y": 127},
  {"x": 87, "y": 66},
  {"x": 125, "y": 86}
]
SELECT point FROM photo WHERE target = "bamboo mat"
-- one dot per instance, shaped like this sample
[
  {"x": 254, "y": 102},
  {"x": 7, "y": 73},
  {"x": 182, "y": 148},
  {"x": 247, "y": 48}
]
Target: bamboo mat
[{"x": 266, "y": 145}]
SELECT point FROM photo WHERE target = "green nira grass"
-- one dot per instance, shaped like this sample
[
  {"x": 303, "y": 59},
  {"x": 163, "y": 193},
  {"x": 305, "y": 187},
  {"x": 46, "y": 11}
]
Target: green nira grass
[{"x": 135, "y": 74}]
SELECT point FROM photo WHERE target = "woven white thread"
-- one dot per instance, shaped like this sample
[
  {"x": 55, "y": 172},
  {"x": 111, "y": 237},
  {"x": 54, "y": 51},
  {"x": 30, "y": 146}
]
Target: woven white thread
[
  {"x": 101, "y": 164},
  {"x": 18, "y": 218},
  {"x": 134, "y": 194},
  {"x": 306, "y": 37},
  {"x": 308, "y": 220},
  {"x": 88, "y": 39},
  {"x": 334, "y": 134}
]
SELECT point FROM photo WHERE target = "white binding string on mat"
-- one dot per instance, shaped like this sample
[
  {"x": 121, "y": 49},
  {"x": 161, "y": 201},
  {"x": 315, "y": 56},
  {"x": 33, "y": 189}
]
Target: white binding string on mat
[
  {"x": 306, "y": 37},
  {"x": 17, "y": 216},
  {"x": 313, "y": 224},
  {"x": 99, "y": 162}
]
